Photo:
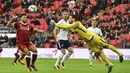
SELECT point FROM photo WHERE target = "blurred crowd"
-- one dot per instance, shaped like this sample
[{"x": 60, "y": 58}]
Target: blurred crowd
[{"x": 114, "y": 25}]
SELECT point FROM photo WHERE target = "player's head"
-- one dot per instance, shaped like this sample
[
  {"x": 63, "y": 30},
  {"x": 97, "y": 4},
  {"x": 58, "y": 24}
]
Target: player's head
[
  {"x": 72, "y": 18},
  {"x": 94, "y": 23},
  {"x": 23, "y": 18},
  {"x": 65, "y": 14}
]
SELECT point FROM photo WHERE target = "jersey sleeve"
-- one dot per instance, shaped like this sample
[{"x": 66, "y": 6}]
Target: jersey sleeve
[
  {"x": 31, "y": 28},
  {"x": 88, "y": 29},
  {"x": 76, "y": 24},
  {"x": 100, "y": 32},
  {"x": 59, "y": 22},
  {"x": 63, "y": 26},
  {"x": 16, "y": 25}
]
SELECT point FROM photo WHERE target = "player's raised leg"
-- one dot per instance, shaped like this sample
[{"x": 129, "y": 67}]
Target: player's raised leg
[
  {"x": 70, "y": 51},
  {"x": 102, "y": 43},
  {"x": 34, "y": 56},
  {"x": 116, "y": 51}
]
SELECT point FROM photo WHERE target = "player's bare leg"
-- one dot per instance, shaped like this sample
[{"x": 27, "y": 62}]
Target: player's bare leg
[
  {"x": 104, "y": 58},
  {"x": 34, "y": 56},
  {"x": 63, "y": 52},
  {"x": 70, "y": 51},
  {"x": 28, "y": 54}
]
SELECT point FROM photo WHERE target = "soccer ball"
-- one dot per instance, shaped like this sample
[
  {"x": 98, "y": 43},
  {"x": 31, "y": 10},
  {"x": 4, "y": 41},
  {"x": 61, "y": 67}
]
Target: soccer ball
[{"x": 32, "y": 8}]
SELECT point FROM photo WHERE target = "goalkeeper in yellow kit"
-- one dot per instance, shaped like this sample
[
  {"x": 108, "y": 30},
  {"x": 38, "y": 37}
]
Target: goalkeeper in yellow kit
[{"x": 94, "y": 41}]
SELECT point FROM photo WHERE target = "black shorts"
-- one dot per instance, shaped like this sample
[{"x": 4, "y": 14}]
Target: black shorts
[{"x": 63, "y": 44}]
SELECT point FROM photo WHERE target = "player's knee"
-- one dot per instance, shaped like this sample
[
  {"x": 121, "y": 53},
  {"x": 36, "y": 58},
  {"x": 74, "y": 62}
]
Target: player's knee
[
  {"x": 90, "y": 52},
  {"x": 70, "y": 50},
  {"x": 28, "y": 54},
  {"x": 106, "y": 46},
  {"x": 35, "y": 51},
  {"x": 98, "y": 53},
  {"x": 63, "y": 51}
]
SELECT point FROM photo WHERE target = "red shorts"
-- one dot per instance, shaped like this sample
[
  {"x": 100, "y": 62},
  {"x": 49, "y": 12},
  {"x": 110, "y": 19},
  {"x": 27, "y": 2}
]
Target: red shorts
[{"x": 22, "y": 46}]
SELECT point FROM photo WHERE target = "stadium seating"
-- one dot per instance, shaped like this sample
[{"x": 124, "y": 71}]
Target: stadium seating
[{"x": 127, "y": 37}]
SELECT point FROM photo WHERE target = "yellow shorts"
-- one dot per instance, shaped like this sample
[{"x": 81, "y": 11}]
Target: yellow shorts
[{"x": 96, "y": 43}]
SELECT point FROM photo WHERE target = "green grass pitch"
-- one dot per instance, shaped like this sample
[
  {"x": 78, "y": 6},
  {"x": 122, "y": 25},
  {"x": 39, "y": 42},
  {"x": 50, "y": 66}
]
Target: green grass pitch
[{"x": 71, "y": 66}]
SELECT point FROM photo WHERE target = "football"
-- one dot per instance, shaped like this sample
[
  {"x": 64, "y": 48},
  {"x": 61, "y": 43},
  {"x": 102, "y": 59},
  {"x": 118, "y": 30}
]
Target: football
[{"x": 32, "y": 8}]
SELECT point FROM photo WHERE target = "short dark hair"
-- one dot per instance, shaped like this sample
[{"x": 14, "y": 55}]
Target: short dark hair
[
  {"x": 65, "y": 10},
  {"x": 74, "y": 16},
  {"x": 22, "y": 15}
]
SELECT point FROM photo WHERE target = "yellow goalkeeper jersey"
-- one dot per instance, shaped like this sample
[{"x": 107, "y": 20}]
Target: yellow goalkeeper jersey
[{"x": 79, "y": 29}]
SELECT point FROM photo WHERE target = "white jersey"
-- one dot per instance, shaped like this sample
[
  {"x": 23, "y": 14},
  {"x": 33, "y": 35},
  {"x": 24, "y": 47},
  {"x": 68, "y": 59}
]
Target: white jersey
[
  {"x": 95, "y": 30},
  {"x": 63, "y": 33}
]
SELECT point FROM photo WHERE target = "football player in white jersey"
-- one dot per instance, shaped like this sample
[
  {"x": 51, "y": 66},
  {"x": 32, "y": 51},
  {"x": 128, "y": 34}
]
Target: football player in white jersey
[
  {"x": 97, "y": 31},
  {"x": 63, "y": 37}
]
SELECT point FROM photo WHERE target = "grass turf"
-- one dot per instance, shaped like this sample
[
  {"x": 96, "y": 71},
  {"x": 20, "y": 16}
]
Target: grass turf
[{"x": 71, "y": 66}]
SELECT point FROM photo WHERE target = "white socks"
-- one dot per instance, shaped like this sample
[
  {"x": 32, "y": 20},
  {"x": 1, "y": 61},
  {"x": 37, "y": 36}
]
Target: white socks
[
  {"x": 90, "y": 59},
  {"x": 62, "y": 58},
  {"x": 59, "y": 59},
  {"x": 66, "y": 57}
]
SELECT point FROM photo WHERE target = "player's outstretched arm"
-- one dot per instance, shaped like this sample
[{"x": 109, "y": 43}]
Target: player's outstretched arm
[
  {"x": 55, "y": 31},
  {"x": 61, "y": 26},
  {"x": 64, "y": 26},
  {"x": 9, "y": 24}
]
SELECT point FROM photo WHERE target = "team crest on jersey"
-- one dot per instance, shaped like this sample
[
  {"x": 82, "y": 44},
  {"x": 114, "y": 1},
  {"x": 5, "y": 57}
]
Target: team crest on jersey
[
  {"x": 24, "y": 28},
  {"x": 62, "y": 45}
]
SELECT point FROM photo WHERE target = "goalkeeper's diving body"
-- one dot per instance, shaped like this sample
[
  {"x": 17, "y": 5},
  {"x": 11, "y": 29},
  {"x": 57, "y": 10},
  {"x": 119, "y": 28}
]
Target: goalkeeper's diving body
[{"x": 94, "y": 41}]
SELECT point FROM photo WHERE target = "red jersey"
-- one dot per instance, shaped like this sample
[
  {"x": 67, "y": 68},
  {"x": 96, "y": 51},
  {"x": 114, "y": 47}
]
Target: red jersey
[{"x": 23, "y": 32}]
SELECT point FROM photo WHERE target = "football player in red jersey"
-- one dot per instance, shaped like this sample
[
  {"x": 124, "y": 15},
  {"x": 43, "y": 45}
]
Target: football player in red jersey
[{"x": 23, "y": 32}]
